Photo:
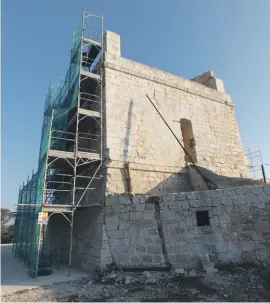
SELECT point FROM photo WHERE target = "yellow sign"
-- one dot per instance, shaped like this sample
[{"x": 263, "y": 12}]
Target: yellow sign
[{"x": 42, "y": 218}]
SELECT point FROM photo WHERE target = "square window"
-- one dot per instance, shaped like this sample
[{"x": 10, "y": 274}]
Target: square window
[{"x": 202, "y": 218}]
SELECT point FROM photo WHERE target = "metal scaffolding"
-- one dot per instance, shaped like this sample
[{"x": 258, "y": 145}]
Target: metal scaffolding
[
  {"x": 70, "y": 153},
  {"x": 256, "y": 165}
]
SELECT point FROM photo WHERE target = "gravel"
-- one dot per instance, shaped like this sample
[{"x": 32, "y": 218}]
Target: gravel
[{"x": 230, "y": 283}]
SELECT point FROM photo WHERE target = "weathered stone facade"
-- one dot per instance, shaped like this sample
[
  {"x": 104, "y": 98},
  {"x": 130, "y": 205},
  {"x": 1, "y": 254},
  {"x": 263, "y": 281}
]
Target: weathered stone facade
[
  {"x": 136, "y": 134},
  {"x": 144, "y": 160},
  {"x": 141, "y": 232}
]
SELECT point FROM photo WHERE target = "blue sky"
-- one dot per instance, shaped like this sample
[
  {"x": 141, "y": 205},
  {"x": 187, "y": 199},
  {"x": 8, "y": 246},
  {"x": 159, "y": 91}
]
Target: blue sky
[{"x": 185, "y": 38}]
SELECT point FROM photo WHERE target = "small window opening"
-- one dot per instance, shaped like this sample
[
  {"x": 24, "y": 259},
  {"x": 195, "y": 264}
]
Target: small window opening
[
  {"x": 189, "y": 140},
  {"x": 202, "y": 218}
]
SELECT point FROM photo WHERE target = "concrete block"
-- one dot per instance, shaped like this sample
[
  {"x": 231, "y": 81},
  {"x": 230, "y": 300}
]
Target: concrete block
[
  {"x": 149, "y": 214},
  {"x": 149, "y": 206},
  {"x": 172, "y": 258},
  {"x": 140, "y": 248},
  {"x": 264, "y": 198},
  {"x": 195, "y": 203},
  {"x": 206, "y": 202},
  {"x": 124, "y": 226},
  {"x": 179, "y": 239},
  {"x": 174, "y": 248},
  {"x": 140, "y": 207},
  {"x": 124, "y": 200},
  {"x": 202, "y": 248},
  {"x": 266, "y": 189},
  {"x": 112, "y": 200},
  {"x": 188, "y": 247},
  {"x": 175, "y": 231},
  {"x": 142, "y": 224},
  {"x": 228, "y": 192},
  {"x": 123, "y": 259},
  {"x": 170, "y": 222},
  {"x": 115, "y": 234},
  {"x": 131, "y": 233},
  {"x": 227, "y": 201},
  {"x": 118, "y": 208},
  {"x": 135, "y": 260},
  {"x": 111, "y": 217},
  {"x": 108, "y": 209},
  {"x": 168, "y": 197},
  {"x": 205, "y": 260},
  {"x": 147, "y": 259},
  {"x": 136, "y": 241},
  {"x": 148, "y": 240},
  {"x": 174, "y": 205},
  {"x": 216, "y": 194},
  {"x": 123, "y": 216},
  {"x": 125, "y": 241},
  {"x": 136, "y": 200},
  {"x": 181, "y": 259},
  {"x": 128, "y": 208},
  {"x": 243, "y": 191},
  {"x": 210, "y": 268},
  {"x": 158, "y": 259},
  {"x": 111, "y": 225},
  {"x": 168, "y": 214},
  {"x": 191, "y": 195},
  {"x": 249, "y": 256},
  {"x": 262, "y": 255},
  {"x": 256, "y": 190},
  {"x": 153, "y": 249},
  {"x": 180, "y": 197},
  {"x": 128, "y": 250},
  {"x": 136, "y": 216},
  {"x": 185, "y": 205}
]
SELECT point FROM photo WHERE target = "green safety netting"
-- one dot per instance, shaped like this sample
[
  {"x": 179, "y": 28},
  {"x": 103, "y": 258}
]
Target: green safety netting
[
  {"x": 59, "y": 101},
  {"x": 62, "y": 98},
  {"x": 26, "y": 238}
]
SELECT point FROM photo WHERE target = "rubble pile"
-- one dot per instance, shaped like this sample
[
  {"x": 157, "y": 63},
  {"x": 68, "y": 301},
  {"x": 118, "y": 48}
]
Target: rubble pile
[{"x": 225, "y": 282}]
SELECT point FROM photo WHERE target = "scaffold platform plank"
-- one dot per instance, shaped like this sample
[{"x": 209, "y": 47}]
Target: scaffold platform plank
[
  {"x": 54, "y": 208},
  {"x": 90, "y": 75},
  {"x": 90, "y": 41},
  {"x": 71, "y": 155},
  {"x": 89, "y": 113}
]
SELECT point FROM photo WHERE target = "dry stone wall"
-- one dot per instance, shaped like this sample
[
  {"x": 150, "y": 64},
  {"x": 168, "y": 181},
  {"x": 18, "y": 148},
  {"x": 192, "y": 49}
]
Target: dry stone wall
[
  {"x": 159, "y": 231},
  {"x": 132, "y": 230},
  {"x": 239, "y": 225},
  {"x": 239, "y": 228},
  {"x": 90, "y": 242}
]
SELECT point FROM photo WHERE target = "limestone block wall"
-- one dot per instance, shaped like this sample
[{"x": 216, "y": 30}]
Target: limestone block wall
[
  {"x": 57, "y": 238},
  {"x": 239, "y": 225},
  {"x": 132, "y": 229},
  {"x": 146, "y": 179},
  {"x": 138, "y": 231},
  {"x": 90, "y": 242},
  {"x": 135, "y": 133}
]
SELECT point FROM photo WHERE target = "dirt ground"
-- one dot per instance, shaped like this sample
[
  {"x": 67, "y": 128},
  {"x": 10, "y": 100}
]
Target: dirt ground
[{"x": 242, "y": 282}]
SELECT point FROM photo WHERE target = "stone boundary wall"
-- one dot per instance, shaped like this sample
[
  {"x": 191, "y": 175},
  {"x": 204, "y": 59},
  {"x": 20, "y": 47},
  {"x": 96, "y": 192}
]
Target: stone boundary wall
[
  {"x": 159, "y": 231},
  {"x": 239, "y": 227},
  {"x": 132, "y": 229}
]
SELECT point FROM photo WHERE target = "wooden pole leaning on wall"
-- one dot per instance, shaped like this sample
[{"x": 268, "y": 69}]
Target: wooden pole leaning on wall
[
  {"x": 263, "y": 173},
  {"x": 185, "y": 151}
]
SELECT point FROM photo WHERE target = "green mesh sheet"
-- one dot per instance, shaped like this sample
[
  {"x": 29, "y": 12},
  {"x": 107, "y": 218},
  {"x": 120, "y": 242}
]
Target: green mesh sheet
[
  {"x": 59, "y": 101},
  {"x": 26, "y": 228}
]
